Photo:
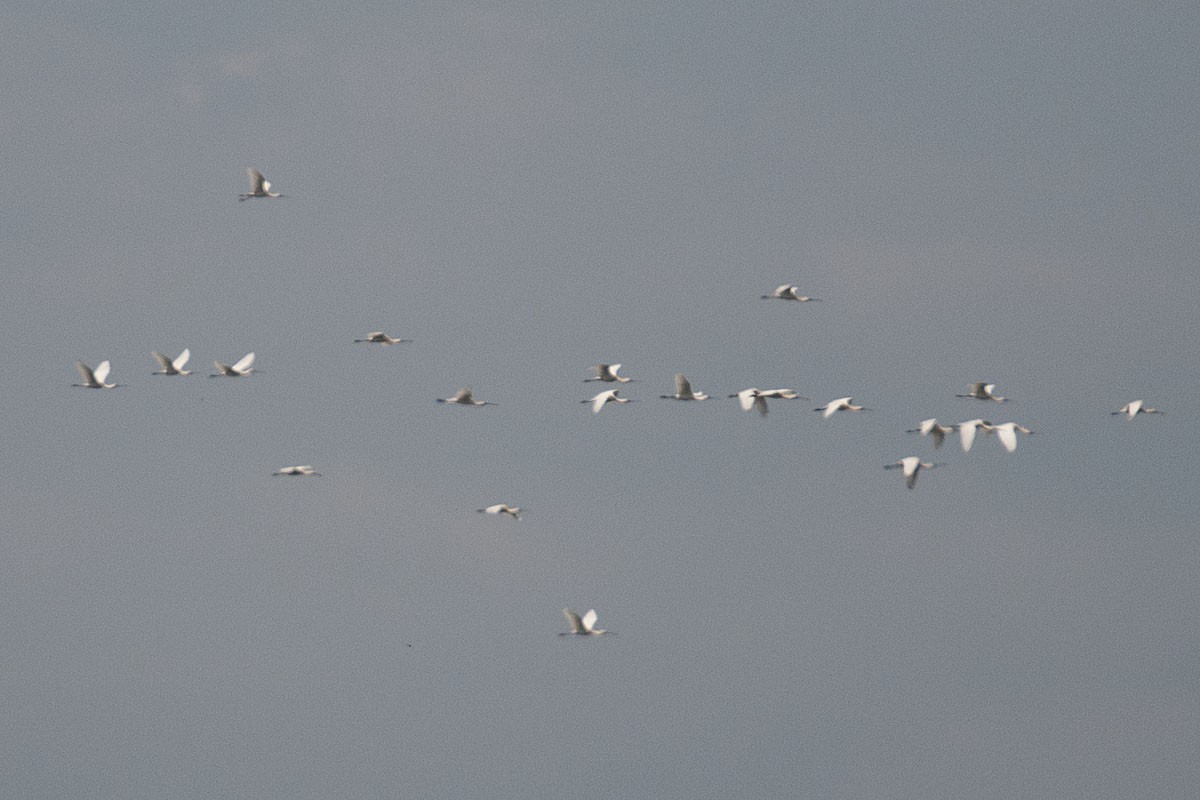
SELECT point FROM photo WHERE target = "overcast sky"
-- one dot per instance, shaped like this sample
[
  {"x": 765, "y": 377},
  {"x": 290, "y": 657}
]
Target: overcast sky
[{"x": 527, "y": 189}]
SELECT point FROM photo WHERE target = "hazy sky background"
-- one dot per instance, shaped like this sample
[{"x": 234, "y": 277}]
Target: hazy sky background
[{"x": 1006, "y": 193}]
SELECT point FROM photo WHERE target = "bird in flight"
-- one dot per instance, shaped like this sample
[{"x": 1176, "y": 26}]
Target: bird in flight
[
  {"x": 983, "y": 391},
  {"x": 789, "y": 292},
  {"x": 601, "y": 399},
  {"x": 683, "y": 390},
  {"x": 607, "y": 373},
  {"x": 582, "y": 626},
  {"x": 1132, "y": 409},
  {"x": 301, "y": 471},
  {"x": 502, "y": 508},
  {"x": 465, "y": 397},
  {"x": 94, "y": 378},
  {"x": 912, "y": 466},
  {"x": 239, "y": 370},
  {"x": 259, "y": 186},
  {"x": 379, "y": 337},
  {"x": 169, "y": 367}
]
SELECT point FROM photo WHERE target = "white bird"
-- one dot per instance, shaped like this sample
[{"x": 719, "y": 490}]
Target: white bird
[
  {"x": 585, "y": 626},
  {"x": 966, "y": 431},
  {"x": 783, "y": 394},
  {"x": 912, "y": 466},
  {"x": 840, "y": 404},
  {"x": 464, "y": 397},
  {"x": 302, "y": 471},
  {"x": 931, "y": 428},
  {"x": 683, "y": 390},
  {"x": 239, "y": 370},
  {"x": 1006, "y": 432},
  {"x": 983, "y": 391},
  {"x": 169, "y": 367},
  {"x": 607, "y": 373},
  {"x": 379, "y": 337},
  {"x": 789, "y": 292},
  {"x": 752, "y": 398},
  {"x": 502, "y": 508},
  {"x": 259, "y": 186},
  {"x": 609, "y": 396},
  {"x": 94, "y": 379},
  {"x": 1132, "y": 409}
]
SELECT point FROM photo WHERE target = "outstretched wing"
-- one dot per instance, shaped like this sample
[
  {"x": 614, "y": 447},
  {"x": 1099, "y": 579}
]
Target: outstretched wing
[
  {"x": 682, "y": 387},
  {"x": 244, "y": 363},
  {"x": 574, "y": 621},
  {"x": 589, "y": 620},
  {"x": 101, "y": 372},
  {"x": 89, "y": 379},
  {"x": 599, "y": 400},
  {"x": 181, "y": 360},
  {"x": 163, "y": 362},
  {"x": 1007, "y": 436},
  {"x": 747, "y": 398},
  {"x": 967, "y": 435},
  {"x": 258, "y": 184}
]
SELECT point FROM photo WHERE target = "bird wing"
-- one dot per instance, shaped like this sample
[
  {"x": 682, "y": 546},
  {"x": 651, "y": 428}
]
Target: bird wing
[
  {"x": 101, "y": 372},
  {"x": 163, "y": 361},
  {"x": 181, "y": 360},
  {"x": 926, "y": 426},
  {"x": 589, "y": 620},
  {"x": 573, "y": 620},
  {"x": 244, "y": 363},
  {"x": 966, "y": 432},
  {"x": 1007, "y": 436},
  {"x": 747, "y": 398},
  {"x": 258, "y": 183},
  {"x": 463, "y": 395},
  {"x": 89, "y": 379},
  {"x": 760, "y": 403},
  {"x": 599, "y": 400},
  {"x": 682, "y": 387}
]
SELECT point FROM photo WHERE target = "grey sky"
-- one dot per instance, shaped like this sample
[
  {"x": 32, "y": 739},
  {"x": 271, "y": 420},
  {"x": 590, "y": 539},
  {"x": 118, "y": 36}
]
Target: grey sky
[{"x": 526, "y": 190}]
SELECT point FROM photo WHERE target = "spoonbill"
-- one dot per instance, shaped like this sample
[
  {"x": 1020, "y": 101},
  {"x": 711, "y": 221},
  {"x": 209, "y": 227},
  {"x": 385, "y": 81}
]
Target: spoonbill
[
  {"x": 379, "y": 337},
  {"x": 1132, "y": 409},
  {"x": 307, "y": 470},
  {"x": 931, "y": 428},
  {"x": 966, "y": 431},
  {"x": 609, "y": 396},
  {"x": 259, "y": 186},
  {"x": 983, "y": 391},
  {"x": 239, "y": 370},
  {"x": 783, "y": 394},
  {"x": 607, "y": 373},
  {"x": 502, "y": 508},
  {"x": 752, "y": 398},
  {"x": 464, "y": 397},
  {"x": 789, "y": 292},
  {"x": 912, "y": 466},
  {"x": 169, "y": 367},
  {"x": 841, "y": 404},
  {"x": 94, "y": 379},
  {"x": 1006, "y": 432},
  {"x": 683, "y": 390},
  {"x": 585, "y": 626}
]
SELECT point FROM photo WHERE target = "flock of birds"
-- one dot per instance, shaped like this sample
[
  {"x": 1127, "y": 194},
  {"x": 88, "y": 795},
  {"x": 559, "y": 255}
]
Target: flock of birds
[{"x": 751, "y": 399}]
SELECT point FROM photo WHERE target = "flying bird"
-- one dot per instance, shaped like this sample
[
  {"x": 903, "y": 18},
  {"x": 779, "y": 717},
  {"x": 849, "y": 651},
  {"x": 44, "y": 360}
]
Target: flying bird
[
  {"x": 609, "y": 396},
  {"x": 239, "y": 370},
  {"x": 683, "y": 390},
  {"x": 1006, "y": 432},
  {"x": 966, "y": 431},
  {"x": 789, "y": 292},
  {"x": 607, "y": 373},
  {"x": 983, "y": 391},
  {"x": 912, "y": 466},
  {"x": 379, "y": 337},
  {"x": 585, "y": 626},
  {"x": 931, "y": 428},
  {"x": 259, "y": 186},
  {"x": 302, "y": 471},
  {"x": 841, "y": 404},
  {"x": 752, "y": 398},
  {"x": 94, "y": 379},
  {"x": 1132, "y": 409},
  {"x": 169, "y": 367},
  {"x": 464, "y": 397},
  {"x": 502, "y": 508}
]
